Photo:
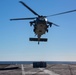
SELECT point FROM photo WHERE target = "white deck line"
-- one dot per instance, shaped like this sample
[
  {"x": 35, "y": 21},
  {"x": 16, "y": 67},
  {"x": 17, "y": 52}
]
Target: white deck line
[
  {"x": 22, "y": 68},
  {"x": 48, "y": 71}
]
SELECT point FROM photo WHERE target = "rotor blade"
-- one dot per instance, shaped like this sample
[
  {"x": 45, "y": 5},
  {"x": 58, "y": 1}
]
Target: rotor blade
[
  {"x": 50, "y": 23},
  {"x": 29, "y": 8},
  {"x": 22, "y": 18},
  {"x": 55, "y": 24},
  {"x": 62, "y": 13}
]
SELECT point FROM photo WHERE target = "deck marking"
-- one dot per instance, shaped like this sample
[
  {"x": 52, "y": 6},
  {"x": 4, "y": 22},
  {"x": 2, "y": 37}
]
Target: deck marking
[
  {"x": 48, "y": 71},
  {"x": 22, "y": 67}
]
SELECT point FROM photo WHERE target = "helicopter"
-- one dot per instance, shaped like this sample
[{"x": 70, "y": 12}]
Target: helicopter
[{"x": 40, "y": 23}]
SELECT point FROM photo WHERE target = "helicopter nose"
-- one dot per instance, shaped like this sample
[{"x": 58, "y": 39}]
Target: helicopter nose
[{"x": 40, "y": 31}]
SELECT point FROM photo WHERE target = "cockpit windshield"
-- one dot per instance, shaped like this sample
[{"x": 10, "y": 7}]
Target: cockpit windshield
[{"x": 43, "y": 19}]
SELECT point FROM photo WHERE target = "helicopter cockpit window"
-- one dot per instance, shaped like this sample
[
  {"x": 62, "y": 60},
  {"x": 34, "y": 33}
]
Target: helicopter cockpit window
[
  {"x": 45, "y": 19},
  {"x": 42, "y": 18}
]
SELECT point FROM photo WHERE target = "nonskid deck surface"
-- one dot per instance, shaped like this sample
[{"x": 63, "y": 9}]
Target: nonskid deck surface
[{"x": 51, "y": 69}]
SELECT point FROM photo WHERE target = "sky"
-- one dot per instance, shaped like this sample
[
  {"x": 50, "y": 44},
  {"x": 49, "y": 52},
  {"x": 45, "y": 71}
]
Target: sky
[{"x": 14, "y": 35}]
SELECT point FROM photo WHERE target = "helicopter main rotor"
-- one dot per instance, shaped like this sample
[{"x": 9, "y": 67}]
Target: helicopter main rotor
[
  {"x": 29, "y": 8},
  {"x": 61, "y": 13},
  {"x": 38, "y": 14}
]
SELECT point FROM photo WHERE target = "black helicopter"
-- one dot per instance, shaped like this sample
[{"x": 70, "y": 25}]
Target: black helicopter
[{"x": 40, "y": 23}]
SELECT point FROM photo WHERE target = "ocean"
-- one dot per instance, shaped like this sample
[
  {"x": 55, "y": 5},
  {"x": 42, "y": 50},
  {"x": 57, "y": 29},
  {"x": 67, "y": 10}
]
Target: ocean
[{"x": 30, "y": 62}]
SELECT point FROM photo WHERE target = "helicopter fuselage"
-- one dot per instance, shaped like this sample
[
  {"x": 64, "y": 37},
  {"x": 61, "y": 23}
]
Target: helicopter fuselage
[{"x": 40, "y": 27}]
